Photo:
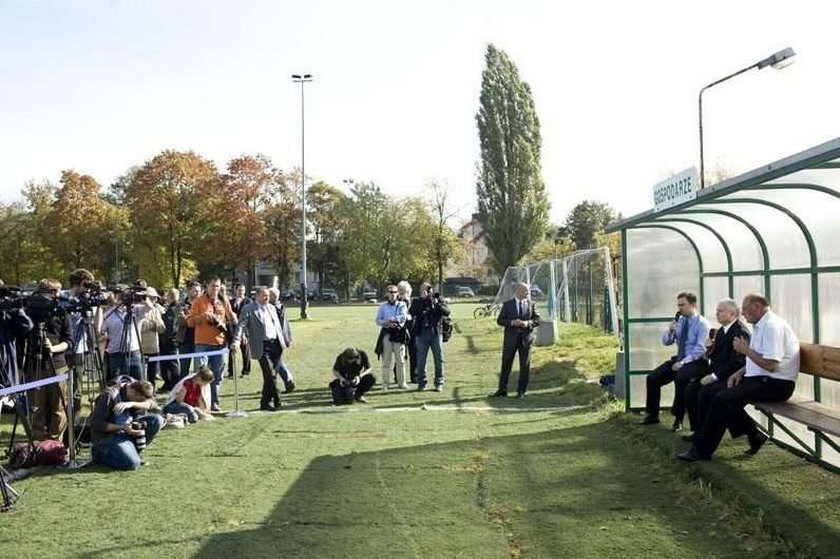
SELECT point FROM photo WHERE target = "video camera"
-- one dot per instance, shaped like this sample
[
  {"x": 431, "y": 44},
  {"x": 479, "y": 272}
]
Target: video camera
[
  {"x": 90, "y": 297},
  {"x": 11, "y": 298}
]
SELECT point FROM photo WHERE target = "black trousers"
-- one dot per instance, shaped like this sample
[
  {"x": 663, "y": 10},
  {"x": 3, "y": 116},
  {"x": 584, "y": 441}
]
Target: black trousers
[
  {"x": 270, "y": 363},
  {"x": 698, "y": 398},
  {"x": 727, "y": 410},
  {"x": 245, "y": 349},
  {"x": 508, "y": 353},
  {"x": 663, "y": 375},
  {"x": 346, "y": 394}
]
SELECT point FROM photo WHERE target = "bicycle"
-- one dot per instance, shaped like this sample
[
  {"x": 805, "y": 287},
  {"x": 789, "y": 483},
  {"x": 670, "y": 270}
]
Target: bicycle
[{"x": 490, "y": 309}]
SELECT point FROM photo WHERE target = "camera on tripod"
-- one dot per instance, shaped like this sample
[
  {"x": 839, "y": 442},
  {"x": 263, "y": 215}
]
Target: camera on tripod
[
  {"x": 91, "y": 296},
  {"x": 11, "y": 298}
]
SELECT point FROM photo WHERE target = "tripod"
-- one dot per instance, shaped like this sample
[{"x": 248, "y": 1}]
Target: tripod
[
  {"x": 129, "y": 325},
  {"x": 87, "y": 359}
]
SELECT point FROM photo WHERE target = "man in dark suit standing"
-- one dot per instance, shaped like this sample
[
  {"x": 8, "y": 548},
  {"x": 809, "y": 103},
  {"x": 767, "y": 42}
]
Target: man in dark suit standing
[
  {"x": 519, "y": 316},
  {"x": 265, "y": 333},
  {"x": 723, "y": 361},
  {"x": 237, "y": 304}
]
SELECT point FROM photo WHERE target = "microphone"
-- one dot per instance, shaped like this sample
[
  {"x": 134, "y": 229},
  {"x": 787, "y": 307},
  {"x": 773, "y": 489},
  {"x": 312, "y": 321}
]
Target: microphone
[{"x": 677, "y": 316}]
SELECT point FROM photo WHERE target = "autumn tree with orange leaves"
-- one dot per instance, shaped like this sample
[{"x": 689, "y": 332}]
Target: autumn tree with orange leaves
[{"x": 176, "y": 203}]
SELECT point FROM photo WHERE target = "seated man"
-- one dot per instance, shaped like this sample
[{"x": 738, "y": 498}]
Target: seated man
[
  {"x": 772, "y": 366},
  {"x": 723, "y": 361},
  {"x": 119, "y": 428},
  {"x": 352, "y": 377},
  {"x": 690, "y": 331}
]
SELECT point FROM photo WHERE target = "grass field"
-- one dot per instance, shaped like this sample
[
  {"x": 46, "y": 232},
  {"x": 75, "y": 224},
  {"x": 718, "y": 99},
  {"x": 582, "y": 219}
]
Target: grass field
[{"x": 560, "y": 474}]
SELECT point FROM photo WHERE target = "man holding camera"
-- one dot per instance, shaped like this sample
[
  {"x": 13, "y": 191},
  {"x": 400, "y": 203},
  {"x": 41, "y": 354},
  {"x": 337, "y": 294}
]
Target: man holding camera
[
  {"x": 120, "y": 425},
  {"x": 427, "y": 312},
  {"x": 44, "y": 357},
  {"x": 122, "y": 326},
  {"x": 352, "y": 377},
  {"x": 209, "y": 315},
  {"x": 391, "y": 318}
]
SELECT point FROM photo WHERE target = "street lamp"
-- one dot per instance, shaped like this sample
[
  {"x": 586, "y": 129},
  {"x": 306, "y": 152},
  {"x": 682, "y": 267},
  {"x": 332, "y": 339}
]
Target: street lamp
[
  {"x": 304, "y": 302},
  {"x": 777, "y": 60}
]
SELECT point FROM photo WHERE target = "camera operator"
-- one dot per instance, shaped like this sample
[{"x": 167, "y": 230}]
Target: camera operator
[
  {"x": 120, "y": 425},
  {"x": 122, "y": 326},
  {"x": 210, "y": 315},
  {"x": 426, "y": 312},
  {"x": 44, "y": 357},
  {"x": 84, "y": 295},
  {"x": 14, "y": 324},
  {"x": 352, "y": 377}
]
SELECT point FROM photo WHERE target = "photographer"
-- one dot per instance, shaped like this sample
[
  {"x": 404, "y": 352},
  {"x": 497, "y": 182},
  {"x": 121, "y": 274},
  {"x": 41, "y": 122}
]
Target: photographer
[
  {"x": 426, "y": 312},
  {"x": 86, "y": 299},
  {"x": 391, "y": 318},
  {"x": 122, "y": 326},
  {"x": 168, "y": 339},
  {"x": 152, "y": 325},
  {"x": 352, "y": 377},
  {"x": 120, "y": 425},
  {"x": 44, "y": 357},
  {"x": 209, "y": 315}
]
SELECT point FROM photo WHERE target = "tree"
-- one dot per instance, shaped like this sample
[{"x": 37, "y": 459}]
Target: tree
[
  {"x": 323, "y": 204},
  {"x": 363, "y": 214},
  {"x": 445, "y": 242},
  {"x": 586, "y": 220},
  {"x": 282, "y": 222},
  {"x": 174, "y": 200},
  {"x": 512, "y": 203}
]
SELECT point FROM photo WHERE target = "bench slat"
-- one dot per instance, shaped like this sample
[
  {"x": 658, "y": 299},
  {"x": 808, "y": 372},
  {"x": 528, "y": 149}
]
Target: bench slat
[
  {"x": 810, "y": 413},
  {"x": 819, "y": 360}
]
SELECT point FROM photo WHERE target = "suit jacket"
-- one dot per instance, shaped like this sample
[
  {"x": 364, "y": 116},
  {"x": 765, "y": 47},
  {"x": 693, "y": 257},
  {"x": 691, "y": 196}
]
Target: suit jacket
[
  {"x": 252, "y": 320},
  {"x": 518, "y": 335},
  {"x": 723, "y": 358},
  {"x": 237, "y": 305}
]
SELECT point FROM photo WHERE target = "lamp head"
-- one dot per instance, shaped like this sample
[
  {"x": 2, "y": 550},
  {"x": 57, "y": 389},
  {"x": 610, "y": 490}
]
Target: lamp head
[{"x": 778, "y": 60}]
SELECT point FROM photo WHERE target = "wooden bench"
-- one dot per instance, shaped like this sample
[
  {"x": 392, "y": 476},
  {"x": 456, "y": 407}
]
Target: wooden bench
[{"x": 821, "y": 362}]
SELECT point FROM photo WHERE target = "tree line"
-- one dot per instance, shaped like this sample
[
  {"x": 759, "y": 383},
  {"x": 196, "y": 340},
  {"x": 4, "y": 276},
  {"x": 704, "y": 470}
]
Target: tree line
[{"x": 176, "y": 216}]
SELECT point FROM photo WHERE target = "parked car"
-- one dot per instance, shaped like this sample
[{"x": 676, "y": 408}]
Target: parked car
[
  {"x": 464, "y": 291},
  {"x": 329, "y": 295},
  {"x": 288, "y": 295},
  {"x": 369, "y": 296},
  {"x": 536, "y": 292}
]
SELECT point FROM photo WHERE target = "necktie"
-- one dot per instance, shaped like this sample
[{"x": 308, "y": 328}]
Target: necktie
[{"x": 682, "y": 339}]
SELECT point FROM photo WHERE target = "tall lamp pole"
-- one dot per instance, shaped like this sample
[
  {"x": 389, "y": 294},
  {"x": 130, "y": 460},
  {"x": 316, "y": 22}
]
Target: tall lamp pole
[
  {"x": 302, "y": 79},
  {"x": 777, "y": 60}
]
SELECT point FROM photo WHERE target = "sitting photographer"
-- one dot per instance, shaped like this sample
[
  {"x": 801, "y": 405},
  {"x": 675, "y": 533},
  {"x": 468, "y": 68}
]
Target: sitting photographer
[
  {"x": 352, "y": 377},
  {"x": 120, "y": 425},
  {"x": 44, "y": 357},
  {"x": 426, "y": 312},
  {"x": 191, "y": 396}
]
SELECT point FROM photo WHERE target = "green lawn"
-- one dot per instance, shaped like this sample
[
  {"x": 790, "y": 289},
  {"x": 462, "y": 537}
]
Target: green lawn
[{"x": 559, "y": 474}]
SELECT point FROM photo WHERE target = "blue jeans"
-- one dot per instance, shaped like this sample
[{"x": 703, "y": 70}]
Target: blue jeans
[
  {"x": 124, "y": 364},
  {"x": 174, "y": 407},
  {"x": 425, "y": 339},
  {"x": 121, "y": 453},
  {"x": 217, "y": 365}
]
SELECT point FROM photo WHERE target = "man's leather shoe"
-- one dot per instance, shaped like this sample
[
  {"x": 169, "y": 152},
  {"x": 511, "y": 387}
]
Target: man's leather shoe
[
  {"x": 267, "y": 407},
  {"x": 691, "y": 456},
  {"x": 499, "y": 394},
  {"x": 290, "y": 387},
  {"x": 689, "y": 438},
  {"x": 676, "y": 426},
  {"x": 361, "y": 399},
  {"x": 756, "y": 443},
  {"x": 649, "y": 420}
]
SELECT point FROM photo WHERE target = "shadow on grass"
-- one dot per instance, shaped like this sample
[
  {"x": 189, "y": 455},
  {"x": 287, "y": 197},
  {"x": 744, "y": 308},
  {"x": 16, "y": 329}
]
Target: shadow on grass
[{"x": 576, "y": 492}]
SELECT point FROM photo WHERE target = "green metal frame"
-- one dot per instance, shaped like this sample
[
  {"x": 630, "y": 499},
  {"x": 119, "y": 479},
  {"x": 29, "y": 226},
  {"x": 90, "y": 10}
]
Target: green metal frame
[{"x": 714, "y": 201}]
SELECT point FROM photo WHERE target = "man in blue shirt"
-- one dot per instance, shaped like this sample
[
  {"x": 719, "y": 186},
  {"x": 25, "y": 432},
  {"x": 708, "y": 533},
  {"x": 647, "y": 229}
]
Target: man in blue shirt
[
  {"x": 391, "y": 319},
  {"x": 689, "y": 331}
]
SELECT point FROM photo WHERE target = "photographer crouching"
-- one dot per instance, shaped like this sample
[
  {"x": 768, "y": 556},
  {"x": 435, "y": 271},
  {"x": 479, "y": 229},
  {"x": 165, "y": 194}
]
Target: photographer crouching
[
  {"x": 44, "y": 358},
  {"x": 121, "y": 426}
]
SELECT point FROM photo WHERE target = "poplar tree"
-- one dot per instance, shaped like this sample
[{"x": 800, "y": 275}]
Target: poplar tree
[{"x": 512, "y": 203}]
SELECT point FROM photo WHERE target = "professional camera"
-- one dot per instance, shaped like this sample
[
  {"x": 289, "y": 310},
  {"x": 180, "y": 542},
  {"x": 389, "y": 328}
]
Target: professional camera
[
  {"x": 89, "y": 298},
  {"x": 140, "y": 437},
  {"x": 131, "y": 295},
  {"x": 41, "y": 308},
  {"x": 11, "y": 298}
]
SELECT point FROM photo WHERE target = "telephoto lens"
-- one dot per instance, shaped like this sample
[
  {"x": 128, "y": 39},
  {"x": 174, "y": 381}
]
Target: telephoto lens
[{"x": 140, "y": 437}]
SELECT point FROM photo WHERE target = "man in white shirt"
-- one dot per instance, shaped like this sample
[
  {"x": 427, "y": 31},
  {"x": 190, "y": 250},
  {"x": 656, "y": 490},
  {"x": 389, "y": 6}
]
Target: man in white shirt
[
  {"x": 265, "y": 335},
  {"x": 772, "y": 366}
]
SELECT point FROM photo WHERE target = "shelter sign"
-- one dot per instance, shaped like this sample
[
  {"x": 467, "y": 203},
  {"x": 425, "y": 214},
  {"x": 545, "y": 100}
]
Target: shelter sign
[{"x": 680, "y": 188}]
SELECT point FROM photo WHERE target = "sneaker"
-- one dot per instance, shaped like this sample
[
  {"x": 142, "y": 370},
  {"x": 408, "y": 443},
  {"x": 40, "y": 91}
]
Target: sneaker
[
  {"x": 361, "y": 399},
  {"x": 403, "y": 386},
  {"x": 421, "y": 387},
  {"x": 385, "y": 387},
  {"x": 439, "y": 388}
]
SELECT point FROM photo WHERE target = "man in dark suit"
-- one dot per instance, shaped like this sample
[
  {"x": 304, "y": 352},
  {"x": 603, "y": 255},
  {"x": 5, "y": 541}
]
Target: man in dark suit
[
  {"x": 519, "y": 316},
  {"x": 723, "y": 361},
  {"x": 265, "y": 334},
  {"x": 238, "y": 302}
]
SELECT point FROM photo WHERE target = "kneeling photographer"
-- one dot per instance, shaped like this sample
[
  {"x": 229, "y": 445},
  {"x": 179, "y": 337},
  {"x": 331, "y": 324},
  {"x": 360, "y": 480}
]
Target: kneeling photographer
[
  {"x": 43, "y": 357},
  {"x": 352, "y": 377},
  {"x": 121, "y": 425}
]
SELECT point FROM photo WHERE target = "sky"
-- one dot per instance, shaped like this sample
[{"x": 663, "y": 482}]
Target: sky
[{"x": 100, "y": 86}]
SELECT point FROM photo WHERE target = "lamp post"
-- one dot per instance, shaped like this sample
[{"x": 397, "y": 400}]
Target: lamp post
[
  {"x": 777, "y": 60},
  {"x": 302, "y": 79}
]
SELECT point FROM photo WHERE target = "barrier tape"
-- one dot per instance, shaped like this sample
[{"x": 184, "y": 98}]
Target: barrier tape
[
  {"x": 223, "y": 351},
  {"x": 33, "y": 384}
]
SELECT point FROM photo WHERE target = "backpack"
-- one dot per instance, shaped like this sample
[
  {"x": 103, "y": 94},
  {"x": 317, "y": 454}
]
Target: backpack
[
  {"x": 446, "y": 328},
  {"x": 42, "y": 453}
]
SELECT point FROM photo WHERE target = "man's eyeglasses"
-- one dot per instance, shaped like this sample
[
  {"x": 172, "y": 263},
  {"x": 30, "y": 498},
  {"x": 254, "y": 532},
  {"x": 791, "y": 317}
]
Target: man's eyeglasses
[{"x": 394, "y": 292}]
